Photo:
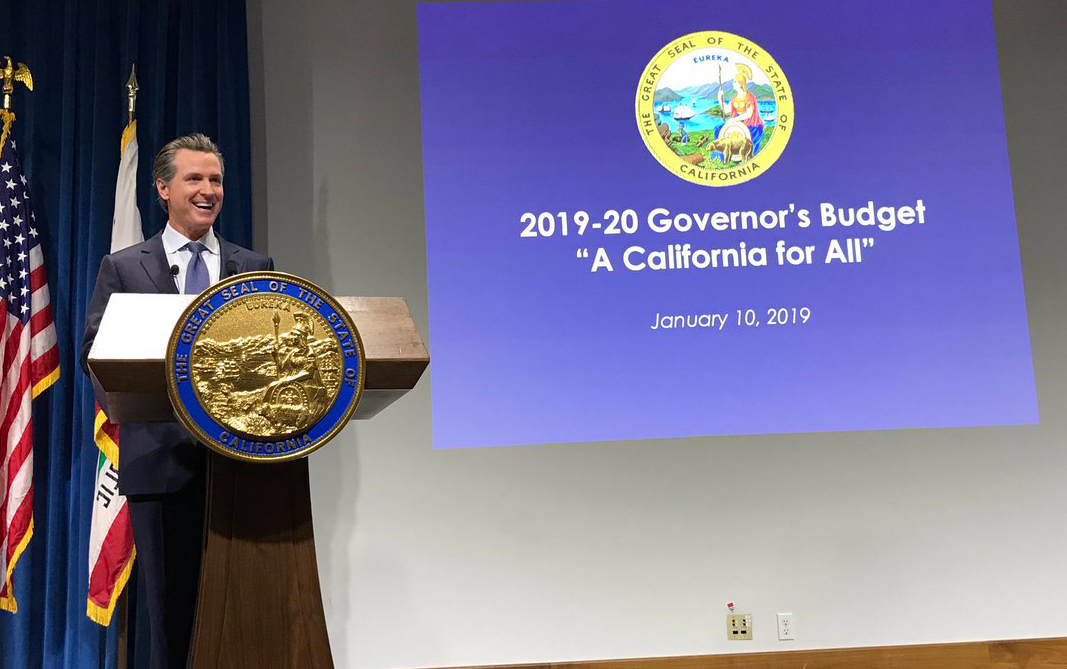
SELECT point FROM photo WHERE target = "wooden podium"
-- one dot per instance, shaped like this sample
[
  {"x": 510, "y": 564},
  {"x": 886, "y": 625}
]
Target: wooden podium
[{"x": 259, "y": 604}]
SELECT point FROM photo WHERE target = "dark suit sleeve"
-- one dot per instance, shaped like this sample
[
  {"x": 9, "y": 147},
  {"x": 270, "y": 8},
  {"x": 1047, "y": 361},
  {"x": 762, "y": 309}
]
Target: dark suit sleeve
[{"x": 108, "y": 281}]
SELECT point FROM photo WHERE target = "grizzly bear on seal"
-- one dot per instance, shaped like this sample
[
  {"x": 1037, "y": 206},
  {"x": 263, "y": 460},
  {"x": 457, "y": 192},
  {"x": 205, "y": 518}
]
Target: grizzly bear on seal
[{"x": 733, "y": 147}]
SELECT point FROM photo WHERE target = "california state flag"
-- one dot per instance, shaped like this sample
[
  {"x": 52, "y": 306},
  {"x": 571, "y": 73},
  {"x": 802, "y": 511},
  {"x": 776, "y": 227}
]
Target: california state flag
[{"x": 111, "y": 549}]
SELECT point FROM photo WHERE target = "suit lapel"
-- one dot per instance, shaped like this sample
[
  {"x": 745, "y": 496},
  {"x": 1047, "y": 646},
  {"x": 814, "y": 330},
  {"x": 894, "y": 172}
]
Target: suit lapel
[
  {"x": 154, "y": 262},
  {"x": 228, "y": 253}
]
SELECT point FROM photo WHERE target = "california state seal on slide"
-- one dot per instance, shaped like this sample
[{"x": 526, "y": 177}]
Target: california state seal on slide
[{"x": 714, "y": 108}]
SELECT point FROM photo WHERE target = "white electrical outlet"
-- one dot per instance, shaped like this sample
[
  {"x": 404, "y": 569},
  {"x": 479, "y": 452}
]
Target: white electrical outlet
[{"x": 786, "y": 629}]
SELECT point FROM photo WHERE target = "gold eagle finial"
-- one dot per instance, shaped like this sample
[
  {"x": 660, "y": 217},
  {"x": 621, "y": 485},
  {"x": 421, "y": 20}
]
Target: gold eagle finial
[{"x": 10, "y": 75}]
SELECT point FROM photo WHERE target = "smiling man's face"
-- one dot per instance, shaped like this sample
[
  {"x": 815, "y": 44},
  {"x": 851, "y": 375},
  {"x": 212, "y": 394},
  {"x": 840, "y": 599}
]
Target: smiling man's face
[{"x": 194, "y": 195}]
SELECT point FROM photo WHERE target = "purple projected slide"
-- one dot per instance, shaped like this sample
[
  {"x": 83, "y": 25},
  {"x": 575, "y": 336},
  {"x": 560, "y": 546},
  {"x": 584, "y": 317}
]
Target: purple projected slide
[{"x": 665, "y": 220}]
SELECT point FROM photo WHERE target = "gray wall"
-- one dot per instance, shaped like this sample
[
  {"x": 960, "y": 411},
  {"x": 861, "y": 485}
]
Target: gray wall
[{"x": 628, "y": 549}]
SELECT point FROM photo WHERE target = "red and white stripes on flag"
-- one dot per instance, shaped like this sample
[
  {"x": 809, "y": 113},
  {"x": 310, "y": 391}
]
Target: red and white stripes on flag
[
  {"x": 30, "y": 357},
  {"x": 111, "y": 549}
]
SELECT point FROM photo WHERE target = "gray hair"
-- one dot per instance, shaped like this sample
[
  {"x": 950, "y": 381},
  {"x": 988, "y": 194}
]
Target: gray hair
[{"x": 164, "y": 168}]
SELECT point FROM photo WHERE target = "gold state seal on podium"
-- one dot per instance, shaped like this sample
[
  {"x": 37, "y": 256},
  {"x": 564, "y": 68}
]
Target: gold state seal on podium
[{"x": 265, "y": 367}]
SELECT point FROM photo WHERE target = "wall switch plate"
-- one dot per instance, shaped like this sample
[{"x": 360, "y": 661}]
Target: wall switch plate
[
  {"x": 739, "y": 626},
  {"x": 786, "y": 631}
]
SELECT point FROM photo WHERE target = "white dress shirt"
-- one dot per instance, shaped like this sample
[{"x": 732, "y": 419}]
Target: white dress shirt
[{"x": 173, "y": 243}]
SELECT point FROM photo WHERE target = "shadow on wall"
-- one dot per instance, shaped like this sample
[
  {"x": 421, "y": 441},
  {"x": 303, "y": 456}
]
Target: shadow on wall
[{"x": 283, "y": 142}]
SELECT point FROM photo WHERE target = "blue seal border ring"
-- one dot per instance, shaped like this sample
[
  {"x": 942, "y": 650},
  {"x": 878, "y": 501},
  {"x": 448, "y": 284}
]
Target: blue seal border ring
[{"x": 196, "y": 419}]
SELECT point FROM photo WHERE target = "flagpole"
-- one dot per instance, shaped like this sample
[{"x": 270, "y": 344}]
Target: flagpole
[{"x": 122, "y": 659}]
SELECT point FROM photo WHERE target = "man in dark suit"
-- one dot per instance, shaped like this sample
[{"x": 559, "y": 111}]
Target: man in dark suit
[{"x": 161, "y": 467}]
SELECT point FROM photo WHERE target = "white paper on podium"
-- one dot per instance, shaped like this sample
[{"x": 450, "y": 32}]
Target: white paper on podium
[{"x": 137, "y": 326}]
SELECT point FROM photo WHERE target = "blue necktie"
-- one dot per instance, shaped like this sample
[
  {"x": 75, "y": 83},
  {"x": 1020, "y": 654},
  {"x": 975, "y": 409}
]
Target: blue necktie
[{"x": 196, "y": 279}]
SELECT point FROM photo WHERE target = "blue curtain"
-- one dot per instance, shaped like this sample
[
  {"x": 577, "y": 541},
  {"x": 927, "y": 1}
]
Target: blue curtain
[{"x": 192, "y": 65}]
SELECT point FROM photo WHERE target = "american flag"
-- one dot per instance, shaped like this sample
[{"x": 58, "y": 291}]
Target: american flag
[{"x": 30, "y": 356}]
